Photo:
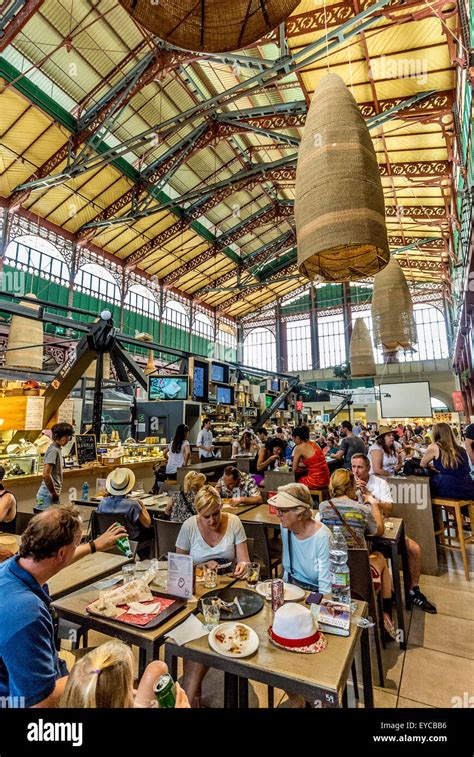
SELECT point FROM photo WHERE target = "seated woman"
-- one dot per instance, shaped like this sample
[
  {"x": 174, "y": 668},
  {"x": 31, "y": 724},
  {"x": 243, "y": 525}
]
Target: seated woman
[
  {"x": 179, "y": 451},
  {"x": 450, "y": 462},
  {"x": 104, "y": 678},
  {"x": 7, "y": 513},
  {"x": 385, "y": 454},
  {"x": 305, "y": 540},
  {"x": 208, "y": 536},
  {"x": 182, "y": 504},
  {"x": 309, "y": 464},
  {"x": 268, "y": 457},
  {"x": 246, "y": 445},
  {"x": 359, "y": 519},
  {"x": 137, "y": 518}
]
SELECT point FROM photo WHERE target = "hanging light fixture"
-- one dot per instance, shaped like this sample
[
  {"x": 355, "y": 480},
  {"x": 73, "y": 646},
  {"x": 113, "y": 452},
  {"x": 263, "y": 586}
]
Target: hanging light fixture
[
  {"x": 25, "y": 340},
  {"x": 339, "y": 206},
  {"x": 392, "y": 312},
  {"x": 212, "y": 26},
  {"x": 150, "y": 366},
  {"x": 361, "y": 352}
]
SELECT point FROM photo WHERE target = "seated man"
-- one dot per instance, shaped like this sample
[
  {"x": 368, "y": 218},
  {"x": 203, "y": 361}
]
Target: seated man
[
  {"x": 368, "y": 483},
  {"x": 31, "y": 673},
  {"x": 119, "y": 484},
  {"x": 239, "y": 487}
]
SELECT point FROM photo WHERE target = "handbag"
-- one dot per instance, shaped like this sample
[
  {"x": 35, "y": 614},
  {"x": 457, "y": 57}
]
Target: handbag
[{"x": 346, "y": 525}]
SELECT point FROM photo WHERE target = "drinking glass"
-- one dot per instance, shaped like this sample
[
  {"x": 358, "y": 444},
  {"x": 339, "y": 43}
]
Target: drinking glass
[
  {"x": 128, "y": 573},
  {"x": 210, "y": 612},
  {"x": 267, "y": 589},
  {"x": 210, "y": 578},
  {"x": 253, "y": 574}
]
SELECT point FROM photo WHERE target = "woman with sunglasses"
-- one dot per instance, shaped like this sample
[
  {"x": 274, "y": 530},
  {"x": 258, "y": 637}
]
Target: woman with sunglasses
[
  {"x": 209, "y": 536},
  {"x": 305, "y": 541}
]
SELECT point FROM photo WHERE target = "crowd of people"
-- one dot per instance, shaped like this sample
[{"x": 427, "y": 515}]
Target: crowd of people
[{"x": 358, "y": 498}]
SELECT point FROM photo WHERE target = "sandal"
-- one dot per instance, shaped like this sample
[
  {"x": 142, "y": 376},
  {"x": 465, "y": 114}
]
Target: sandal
[{"x": 389, "y": 627}]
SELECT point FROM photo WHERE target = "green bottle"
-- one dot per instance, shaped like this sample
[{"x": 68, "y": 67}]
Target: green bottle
[{"x": 123, "y": 544}]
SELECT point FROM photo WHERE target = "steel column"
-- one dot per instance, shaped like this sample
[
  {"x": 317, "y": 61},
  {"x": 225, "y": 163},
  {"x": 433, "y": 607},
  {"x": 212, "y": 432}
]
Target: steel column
[{"x": 313, "y": 325}]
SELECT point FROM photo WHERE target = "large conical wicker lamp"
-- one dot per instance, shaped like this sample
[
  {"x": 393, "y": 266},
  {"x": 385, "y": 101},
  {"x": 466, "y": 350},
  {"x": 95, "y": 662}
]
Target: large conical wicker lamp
[
  {"x": 210, "y": 25},
  {"x": 150, "y": 366},
  {"x": 361, "y": 351},
  {"x": 392, "y": 311},
  {"x": 25, "y": 341},
  {"x": 339, "y": 206}
]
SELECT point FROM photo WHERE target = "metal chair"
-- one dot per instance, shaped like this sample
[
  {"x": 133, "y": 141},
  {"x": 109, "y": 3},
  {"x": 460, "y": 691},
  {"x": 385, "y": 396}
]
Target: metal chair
[
  {"x": 100, "y": 522},
  {"x": 362, "y": 587},
  {"x": 166, "y": 534}
]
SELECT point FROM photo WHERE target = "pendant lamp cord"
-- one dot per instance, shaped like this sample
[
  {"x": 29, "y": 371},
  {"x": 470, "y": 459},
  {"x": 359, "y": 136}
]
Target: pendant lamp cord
[{"x": 326, "y": 33}]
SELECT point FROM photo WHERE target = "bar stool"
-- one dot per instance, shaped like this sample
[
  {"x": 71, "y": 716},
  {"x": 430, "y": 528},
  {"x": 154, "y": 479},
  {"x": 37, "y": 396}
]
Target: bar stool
[{"x": 442, "y": 506}]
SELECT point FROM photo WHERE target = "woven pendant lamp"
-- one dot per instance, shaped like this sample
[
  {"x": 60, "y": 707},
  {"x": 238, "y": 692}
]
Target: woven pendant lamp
[
  {"x": 339, "y": 206},
  {"x": 150, "y": 366},
  {"x": 25, "y": 341},
  {"x": 392, "y": 311},
  {"x": 361, "y": 352},
  {"x": 211, "y": 26}
]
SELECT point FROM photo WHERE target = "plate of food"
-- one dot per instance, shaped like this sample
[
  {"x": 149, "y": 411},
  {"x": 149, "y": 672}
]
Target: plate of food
[
  {"x": 233, "y": 640},
  {"x": 292, "y": 593}
]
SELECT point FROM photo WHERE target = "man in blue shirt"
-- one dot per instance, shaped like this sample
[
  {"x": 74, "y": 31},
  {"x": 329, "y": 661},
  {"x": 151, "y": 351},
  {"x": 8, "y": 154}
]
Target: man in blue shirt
[{"x": 31, "y": 673}]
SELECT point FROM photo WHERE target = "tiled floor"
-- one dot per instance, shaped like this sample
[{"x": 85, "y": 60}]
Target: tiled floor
[{"x": 436, "y": 669}]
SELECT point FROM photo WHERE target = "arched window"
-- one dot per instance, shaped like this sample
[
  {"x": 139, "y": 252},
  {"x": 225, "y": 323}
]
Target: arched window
[
  {"x": 260, "y": 349},
  {"x": 140, "y": 299},
  {"x": 227, "y": 342},
  {"x": 298, "y": 341},
  {"x": 439, "y": 405},
  {"x": 175, "y": 313},
  {"x": 202, "y": 326},
  {"x": 332, "y": 349},
  {"x": 34, "y": 254},
  {"x": 97, "y": 281},
  {"x": 432, "y": 340}
]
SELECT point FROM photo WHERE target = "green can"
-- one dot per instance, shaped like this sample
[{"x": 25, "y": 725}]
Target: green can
[{"x": 164, "y": 691}]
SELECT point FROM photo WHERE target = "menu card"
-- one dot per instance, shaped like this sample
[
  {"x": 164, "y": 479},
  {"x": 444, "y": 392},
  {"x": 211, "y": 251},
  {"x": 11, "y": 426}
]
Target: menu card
[
  {"x": 34, "y": 413},
  {"x": 180, "y": 575}
]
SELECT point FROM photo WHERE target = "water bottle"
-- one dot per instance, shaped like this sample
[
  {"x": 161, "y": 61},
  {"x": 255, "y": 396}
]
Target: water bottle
[
  {"x": 85, "y": 491},
  {"x": 340, "y": 576}
]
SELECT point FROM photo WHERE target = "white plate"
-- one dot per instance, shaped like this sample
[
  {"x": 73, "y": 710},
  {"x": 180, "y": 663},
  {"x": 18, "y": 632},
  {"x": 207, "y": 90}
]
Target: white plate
[
  {"x": 249, "y": 647},
  {"x": 292, "y": 593}
]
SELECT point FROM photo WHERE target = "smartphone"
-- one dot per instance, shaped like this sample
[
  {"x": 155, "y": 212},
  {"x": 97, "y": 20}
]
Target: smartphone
[{"x": 314, "y": 598}]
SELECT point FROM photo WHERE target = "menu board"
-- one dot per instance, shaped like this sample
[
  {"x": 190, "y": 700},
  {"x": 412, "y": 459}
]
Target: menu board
[
  {"x": 34, "y": 413},
  {"x": 86, "y": 448},
  {"x": 66, "y": 412}
]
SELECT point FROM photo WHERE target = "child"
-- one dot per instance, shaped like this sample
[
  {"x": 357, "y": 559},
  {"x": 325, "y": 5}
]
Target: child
[{"x": 104, "y": 678}]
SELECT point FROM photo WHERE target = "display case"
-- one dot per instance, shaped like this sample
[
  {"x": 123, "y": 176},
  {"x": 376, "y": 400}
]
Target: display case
[
  {"x": 136, "y": 452},
  {"x": 20, "y": 465}
]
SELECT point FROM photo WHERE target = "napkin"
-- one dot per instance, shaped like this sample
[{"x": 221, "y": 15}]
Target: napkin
[
  {"x": 191, "y": 629},
  {"x": 137, "y": 608}
]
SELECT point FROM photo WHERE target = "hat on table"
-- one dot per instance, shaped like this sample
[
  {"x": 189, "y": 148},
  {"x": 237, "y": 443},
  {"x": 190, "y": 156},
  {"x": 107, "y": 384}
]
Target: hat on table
[
  {"x": 296, "y": 630},
  {"x": 120, "y": 481},
  {"x": 285, "y": 501}
]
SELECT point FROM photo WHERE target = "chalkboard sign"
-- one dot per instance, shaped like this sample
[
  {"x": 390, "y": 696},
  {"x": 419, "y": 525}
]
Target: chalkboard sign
[{"x": 86, "y": 448}]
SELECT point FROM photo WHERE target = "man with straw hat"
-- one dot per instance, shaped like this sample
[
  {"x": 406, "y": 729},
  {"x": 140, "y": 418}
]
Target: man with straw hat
[{"x": 119, "y": 484}]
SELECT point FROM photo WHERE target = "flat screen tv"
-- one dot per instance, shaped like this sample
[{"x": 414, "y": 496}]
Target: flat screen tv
[
  {"x": 275, "y": 384},
  {"x": 220, "y": 373},
  {"x": 225, "y": 395},
  {"x": 168, "y": 388},
  {"x": 269, "y": 400},
  {"x": 200, "y": 381}
]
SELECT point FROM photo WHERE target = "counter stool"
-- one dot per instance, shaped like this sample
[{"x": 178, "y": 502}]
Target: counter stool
[{"x": 443, "y": 506}]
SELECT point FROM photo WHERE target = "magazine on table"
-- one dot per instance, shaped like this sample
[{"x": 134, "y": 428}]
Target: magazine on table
[{"x": 333, "y": 617}]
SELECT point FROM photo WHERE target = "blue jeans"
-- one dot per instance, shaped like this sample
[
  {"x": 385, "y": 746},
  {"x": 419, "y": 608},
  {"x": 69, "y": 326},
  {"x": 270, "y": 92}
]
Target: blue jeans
[{"x": 44, "y": 495}]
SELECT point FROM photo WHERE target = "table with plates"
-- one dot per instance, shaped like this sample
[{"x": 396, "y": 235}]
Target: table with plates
[
  {"x": 320, "y": 678},
  {"x": 90, "y": 568},
  {"x": 72, "y": 607}
]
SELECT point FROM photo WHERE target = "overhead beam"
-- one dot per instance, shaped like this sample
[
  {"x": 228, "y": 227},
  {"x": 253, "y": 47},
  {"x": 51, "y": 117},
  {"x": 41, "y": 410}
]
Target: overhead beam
[{"x": 15, "y": 18}]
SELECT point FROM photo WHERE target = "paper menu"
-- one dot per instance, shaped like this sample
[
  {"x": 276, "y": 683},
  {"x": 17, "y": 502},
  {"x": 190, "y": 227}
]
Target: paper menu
[
  {"x": 34, "y": 413},
  {"x": 180, "y": 575}
]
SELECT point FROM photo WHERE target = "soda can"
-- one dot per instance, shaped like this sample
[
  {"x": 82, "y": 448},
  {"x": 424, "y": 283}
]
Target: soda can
[
  {"x": 278, "y": 593},
  {"x": 165, "y": 692}
]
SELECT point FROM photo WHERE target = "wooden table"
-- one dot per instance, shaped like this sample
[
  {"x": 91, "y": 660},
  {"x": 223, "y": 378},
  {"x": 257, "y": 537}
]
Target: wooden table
[
  {"x": 239, "y": 509},
  {"x": 215, "y": 467},
  {"x": 260, "y": 514},
  {"x": 320, "y": 678},
  {"x": 152, "y": 507},
  {"x": 72, "y": 607},
  {"x": 84, "y": 572},
  {"x": 392, "y": 544}
]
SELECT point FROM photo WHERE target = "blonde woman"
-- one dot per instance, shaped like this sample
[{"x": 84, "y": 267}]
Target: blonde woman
[
  {"x": 209, "y": 536},
  {"x": 358, "y": 520},
  {"x": 450, "y": 462},
  {"x": 305, "y": 541},
  {"x": 182, "y": 505},
  {"x": 104, "y": 678}
]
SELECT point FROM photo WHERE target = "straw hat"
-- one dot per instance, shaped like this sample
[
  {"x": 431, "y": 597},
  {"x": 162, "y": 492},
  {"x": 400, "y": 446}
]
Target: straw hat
[
  {"x": 120, "y": 481},
  {"x": 384, "y": 430},
  {"x": 296, "y": 630},
  {"x": 285, "y": 501},
  {"x": 9, "y": 543}
]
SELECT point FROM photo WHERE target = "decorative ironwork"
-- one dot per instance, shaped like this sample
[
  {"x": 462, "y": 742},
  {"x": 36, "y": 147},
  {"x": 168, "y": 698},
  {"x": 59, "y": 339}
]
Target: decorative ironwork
[{"x": 417, "y": 168}]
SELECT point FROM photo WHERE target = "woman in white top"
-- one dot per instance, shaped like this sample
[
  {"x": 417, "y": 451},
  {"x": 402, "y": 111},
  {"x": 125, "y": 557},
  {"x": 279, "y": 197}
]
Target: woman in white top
[
  {"x": 208, "y": 536},
  {"x": 179, "y": 451},
  {"x": 246, "y": 445},
  {"x": 384, "y": 454}
]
